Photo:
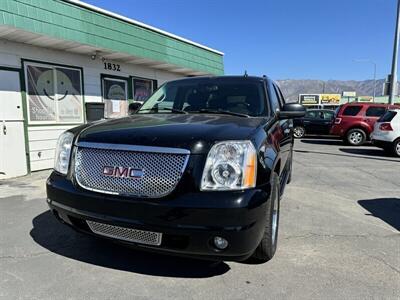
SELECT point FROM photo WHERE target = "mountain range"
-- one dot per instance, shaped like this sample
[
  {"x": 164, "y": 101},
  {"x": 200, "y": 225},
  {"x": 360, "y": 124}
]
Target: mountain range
[{"x": 291, "y": 88}]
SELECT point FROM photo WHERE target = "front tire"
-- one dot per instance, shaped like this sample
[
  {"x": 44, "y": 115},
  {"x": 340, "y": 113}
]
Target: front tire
[
  {"x": 356, "y": 137},
  {"x": 267, "y": 247},
  {"x": 299, "y": 132}
]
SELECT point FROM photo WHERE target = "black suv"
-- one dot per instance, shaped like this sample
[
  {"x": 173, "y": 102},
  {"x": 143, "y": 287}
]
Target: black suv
[{"x": 198, "y": 170}]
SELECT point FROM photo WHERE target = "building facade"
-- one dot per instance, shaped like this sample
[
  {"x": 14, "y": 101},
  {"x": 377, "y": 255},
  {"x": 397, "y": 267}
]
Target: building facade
[{"x": 56, "y": 56}]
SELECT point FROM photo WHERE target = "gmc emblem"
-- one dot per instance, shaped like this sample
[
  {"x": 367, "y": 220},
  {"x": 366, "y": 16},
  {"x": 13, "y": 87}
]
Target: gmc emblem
[{"x": 124, "y": 172}]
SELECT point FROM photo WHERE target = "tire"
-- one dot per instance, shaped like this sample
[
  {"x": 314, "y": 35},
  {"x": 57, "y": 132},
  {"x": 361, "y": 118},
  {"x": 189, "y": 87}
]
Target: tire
[
  {"x": 396, "y": 148},
  {"x": 299, "y": 132},
  {"x": 356, "y": 137},
  {"x": 267, "y": 247}
]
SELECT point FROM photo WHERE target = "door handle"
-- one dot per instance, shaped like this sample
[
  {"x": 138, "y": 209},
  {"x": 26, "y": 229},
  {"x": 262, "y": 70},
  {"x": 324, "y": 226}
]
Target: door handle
[{"x": 4, "y": 129}]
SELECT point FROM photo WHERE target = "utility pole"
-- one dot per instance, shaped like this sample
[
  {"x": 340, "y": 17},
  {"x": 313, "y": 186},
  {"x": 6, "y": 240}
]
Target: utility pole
[{"x": 393, "y": 81}]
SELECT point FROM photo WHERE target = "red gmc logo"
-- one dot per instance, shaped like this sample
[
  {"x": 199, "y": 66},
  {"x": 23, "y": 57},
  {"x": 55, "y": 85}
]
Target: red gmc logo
[{"x": 124, "y": 172}]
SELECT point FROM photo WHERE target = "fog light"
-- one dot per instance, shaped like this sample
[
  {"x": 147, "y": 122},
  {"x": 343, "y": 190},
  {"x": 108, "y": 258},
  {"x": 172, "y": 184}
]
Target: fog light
[{"x": 220, "y": 243}]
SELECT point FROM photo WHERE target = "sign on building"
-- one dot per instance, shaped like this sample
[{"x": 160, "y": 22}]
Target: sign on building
[
  {"x": 308, "y": 99},
  {"x": 365, "y": 99},
  {"x": 349, "y": 94},
  {"x": 330, "y": 99}
]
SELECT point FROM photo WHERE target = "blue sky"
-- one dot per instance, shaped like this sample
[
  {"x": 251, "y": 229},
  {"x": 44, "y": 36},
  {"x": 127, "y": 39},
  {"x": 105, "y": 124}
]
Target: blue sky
[{"x": 285, "y": 39}]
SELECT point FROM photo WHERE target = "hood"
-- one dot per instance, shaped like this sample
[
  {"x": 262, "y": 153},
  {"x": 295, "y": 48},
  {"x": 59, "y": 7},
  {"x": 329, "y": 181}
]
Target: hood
[{"x": 195, "y": 132}]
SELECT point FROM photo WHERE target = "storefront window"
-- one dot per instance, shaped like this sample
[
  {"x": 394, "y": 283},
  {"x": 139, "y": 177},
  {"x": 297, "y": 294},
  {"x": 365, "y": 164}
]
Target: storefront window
[
  {"x": 54, "y": 94},
  {"x": 115, "y": 97},
  {"x": 142, "y": 89}
]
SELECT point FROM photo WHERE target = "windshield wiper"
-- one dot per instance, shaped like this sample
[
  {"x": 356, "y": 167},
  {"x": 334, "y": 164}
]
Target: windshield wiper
[
  {"x": 164, "y": 108},
  {"x": 220, "y": 111}
]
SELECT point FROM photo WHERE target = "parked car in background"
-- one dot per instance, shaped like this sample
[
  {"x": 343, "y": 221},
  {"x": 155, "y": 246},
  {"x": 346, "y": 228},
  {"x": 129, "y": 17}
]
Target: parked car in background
[
  {"x": 315, "y": 121},
  {"x": 355, "y": 121},
  {"x": 386, "y": 134}
]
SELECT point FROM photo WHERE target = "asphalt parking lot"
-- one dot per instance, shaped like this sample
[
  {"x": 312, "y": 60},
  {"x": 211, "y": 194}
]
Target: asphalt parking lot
[{"x": 339, "y": 239}]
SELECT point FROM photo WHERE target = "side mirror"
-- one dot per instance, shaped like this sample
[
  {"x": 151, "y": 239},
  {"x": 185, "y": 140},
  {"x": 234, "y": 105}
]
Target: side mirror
[
  {"x": 133, "y": 107},
  {"x": 291, "y": 111}
]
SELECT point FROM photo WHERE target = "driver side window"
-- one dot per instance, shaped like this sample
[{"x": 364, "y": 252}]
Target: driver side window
[{"x": 273, "y": 98}]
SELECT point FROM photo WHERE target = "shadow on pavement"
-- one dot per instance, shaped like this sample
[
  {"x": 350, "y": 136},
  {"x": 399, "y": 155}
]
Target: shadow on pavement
[
  {"x": 387, "y": 209},
  {"x": 60, "y": 239},
  {"x": 363, "y": 151},
  {"x": 347, "y": 155},
  {"x": 322, "y": 142}
]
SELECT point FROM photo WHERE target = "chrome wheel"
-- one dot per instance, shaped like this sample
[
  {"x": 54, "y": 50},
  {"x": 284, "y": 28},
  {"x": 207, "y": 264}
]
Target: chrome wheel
[
  {"x": 356, "y": 137},
  {"x": 298, "y": 132}
]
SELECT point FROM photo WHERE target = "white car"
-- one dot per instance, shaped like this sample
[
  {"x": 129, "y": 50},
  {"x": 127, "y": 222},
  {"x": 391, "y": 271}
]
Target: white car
[{"x": 386, "y": 132}]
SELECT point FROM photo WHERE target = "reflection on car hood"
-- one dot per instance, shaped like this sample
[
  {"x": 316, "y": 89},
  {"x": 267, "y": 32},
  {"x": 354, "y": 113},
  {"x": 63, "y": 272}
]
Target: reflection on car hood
[{"x": 195, "y": 132}]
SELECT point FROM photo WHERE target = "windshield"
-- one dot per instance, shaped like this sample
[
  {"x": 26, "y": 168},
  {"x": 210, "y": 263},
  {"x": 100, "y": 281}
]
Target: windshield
[{"x": 207, "y": 95}]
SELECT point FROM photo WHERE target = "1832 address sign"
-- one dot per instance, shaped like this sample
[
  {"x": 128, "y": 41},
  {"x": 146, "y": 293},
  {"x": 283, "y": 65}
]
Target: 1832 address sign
[{"x": 112, "y": 67}]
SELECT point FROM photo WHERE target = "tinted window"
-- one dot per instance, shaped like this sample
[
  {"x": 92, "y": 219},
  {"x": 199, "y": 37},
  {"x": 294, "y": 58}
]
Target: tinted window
[
  {"x": 375, "y": 111},
  {"x": 192, "y": 96},
  {"x": 328, "y": 115},
  {"x": 273, "y": 98},
  {"x": 351, "y": 110},
  {"x": 388, "y": 116},
  {"x": 312, "y": 114},
  {"x": 280, "y": 96}
]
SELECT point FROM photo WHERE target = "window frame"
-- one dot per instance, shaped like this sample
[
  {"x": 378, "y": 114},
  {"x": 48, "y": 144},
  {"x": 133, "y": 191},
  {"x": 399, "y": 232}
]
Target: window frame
[{"x": 53, "y": 66}]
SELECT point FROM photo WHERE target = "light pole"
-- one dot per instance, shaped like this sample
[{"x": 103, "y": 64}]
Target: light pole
[
  {"x": 393, "y": 78},
  {"x": 374, "y": 63}
]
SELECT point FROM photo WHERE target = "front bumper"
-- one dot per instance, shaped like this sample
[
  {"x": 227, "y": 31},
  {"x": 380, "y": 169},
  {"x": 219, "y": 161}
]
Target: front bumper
[
  {"x": 381, "y": 143},
  {"x": 188, "y": 222}
]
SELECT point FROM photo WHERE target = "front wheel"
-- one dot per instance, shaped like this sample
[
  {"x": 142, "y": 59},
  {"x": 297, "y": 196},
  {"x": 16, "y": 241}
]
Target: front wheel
[
  {"x": 267, "y": 247},
  {"x": 299, "y": 132},
  {"x": 356, "y": 137}
]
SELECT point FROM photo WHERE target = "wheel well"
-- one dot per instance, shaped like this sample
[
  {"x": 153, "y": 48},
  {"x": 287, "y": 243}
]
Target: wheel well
[{"x": 358, "y": 127}]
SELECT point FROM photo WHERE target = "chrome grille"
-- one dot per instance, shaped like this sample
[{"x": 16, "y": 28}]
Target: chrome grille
[
  {"x": 160, "y": 171},
  {"x": 126, "y": 234}
]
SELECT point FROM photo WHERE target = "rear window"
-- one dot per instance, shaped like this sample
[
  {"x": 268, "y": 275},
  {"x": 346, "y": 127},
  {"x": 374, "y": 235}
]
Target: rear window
[
  {"x": 375, "y": 111},
  {"x": 388, "y": 116},
  {"x": 351, "y": 110}
]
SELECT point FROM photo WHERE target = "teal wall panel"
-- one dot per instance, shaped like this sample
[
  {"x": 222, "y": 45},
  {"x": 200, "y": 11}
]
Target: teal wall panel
[{"x": 64, "y": 20}]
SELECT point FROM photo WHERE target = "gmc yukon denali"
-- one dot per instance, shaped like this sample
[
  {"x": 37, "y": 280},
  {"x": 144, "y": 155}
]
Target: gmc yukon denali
[{"x": 199, "y": 170}]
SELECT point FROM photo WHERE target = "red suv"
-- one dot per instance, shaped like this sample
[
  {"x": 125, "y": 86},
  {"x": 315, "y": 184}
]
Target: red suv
[{"x": 355, "y": 121}]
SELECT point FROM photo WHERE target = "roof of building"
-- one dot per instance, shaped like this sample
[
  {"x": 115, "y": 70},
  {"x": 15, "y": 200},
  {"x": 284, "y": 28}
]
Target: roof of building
[
  {"x": 75, "y": 26},
  {"x": 135, "y": 22}
]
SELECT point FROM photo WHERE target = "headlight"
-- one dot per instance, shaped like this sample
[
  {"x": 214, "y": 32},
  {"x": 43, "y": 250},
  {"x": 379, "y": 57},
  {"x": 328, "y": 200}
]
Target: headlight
[
  {"x": 230, "y": 165},
  {"x": 63, "y": 152}
]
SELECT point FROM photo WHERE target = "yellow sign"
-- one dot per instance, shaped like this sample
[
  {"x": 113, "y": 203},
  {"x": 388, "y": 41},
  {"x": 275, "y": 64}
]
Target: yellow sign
[{"x": 333, "y": 99}]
